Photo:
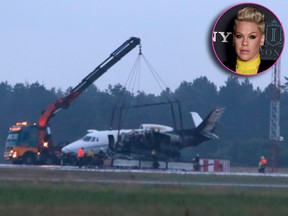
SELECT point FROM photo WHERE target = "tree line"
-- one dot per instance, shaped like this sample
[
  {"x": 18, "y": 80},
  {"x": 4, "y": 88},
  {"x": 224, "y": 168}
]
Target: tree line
[{"x": 243, "y": 128}]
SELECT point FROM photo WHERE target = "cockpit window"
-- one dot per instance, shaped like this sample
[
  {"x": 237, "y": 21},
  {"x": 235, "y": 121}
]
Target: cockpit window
[
  {"x": 12, "y": 139},
  {"x": 93, "y": 139},
  {"x": 87, "y": 138}
]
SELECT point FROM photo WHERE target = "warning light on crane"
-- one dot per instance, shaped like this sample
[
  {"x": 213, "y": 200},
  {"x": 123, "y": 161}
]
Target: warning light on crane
[
  {"x": 45, "y": 144},
  {"x": 21, "y": 123}
]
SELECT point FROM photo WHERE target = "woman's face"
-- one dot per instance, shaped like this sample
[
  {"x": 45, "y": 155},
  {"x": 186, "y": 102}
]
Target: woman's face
[{"x": 247, "y": 40}]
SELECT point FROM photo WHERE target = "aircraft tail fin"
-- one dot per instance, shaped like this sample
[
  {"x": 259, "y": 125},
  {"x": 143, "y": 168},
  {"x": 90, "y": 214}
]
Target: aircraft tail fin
[
  {"x": 208, "y": 125},
  {"x": 196, "y": 119}
]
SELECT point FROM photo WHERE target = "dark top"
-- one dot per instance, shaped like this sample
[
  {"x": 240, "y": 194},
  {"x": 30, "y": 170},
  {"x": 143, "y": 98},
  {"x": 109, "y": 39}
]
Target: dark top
[{"x": 264, "y": 65}]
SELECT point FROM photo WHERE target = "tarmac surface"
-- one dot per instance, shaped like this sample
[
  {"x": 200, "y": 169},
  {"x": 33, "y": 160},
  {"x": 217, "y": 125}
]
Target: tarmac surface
[{"x": 72, "y": 174}]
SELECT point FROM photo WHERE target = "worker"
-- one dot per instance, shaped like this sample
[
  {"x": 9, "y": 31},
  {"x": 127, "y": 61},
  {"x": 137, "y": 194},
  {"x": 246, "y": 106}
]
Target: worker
[
  {"x": 80, "y": 157},
  {"x": 196, "y": 163},
  {"x": 155, "y": 164},
  {"x": 100, "y": 157},
  {"x": 262, "y": 164},
  {"x": 90, "y": 157}
]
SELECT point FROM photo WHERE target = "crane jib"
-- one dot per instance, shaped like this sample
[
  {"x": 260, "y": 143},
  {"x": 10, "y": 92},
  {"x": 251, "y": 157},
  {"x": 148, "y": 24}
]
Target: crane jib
[
  {"x": 106, "y": 64},
  {"x": 64, "y": 102}
]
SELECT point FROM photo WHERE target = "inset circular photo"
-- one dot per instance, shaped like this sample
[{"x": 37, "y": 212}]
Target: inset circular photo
[{"x": 248, "y": 39}]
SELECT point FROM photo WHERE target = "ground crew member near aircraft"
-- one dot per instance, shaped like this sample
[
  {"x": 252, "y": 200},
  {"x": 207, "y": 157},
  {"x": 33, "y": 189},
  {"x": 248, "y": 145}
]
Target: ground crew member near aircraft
[
  {"x": 155, "y": 164},
  {"x": 80, "y": 157},
  {"x": 262, "y": 164},
  {"x": 90, "y": 157},
  {"x": 100, "y": 158},
  {"x": 196, "y": 163}
]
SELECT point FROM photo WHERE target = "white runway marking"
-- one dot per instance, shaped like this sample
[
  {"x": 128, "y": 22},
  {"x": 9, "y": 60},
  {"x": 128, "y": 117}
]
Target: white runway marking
[{"x": 81, "y": 179}]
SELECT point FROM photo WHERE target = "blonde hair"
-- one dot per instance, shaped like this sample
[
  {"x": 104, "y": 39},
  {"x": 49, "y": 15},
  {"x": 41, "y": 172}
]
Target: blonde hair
[{"x": 251, "y": 14}]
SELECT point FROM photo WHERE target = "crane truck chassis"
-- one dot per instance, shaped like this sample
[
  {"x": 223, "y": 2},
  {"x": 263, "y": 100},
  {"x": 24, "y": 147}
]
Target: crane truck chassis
[{"x": 32, "y": 144}]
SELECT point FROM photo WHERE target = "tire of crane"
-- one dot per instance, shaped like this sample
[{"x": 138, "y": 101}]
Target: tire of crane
[{"x": 29, "y": 159}]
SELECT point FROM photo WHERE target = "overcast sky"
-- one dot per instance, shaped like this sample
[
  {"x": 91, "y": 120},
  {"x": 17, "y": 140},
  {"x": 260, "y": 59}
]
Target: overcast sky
[{"x": 59, "y": 42}]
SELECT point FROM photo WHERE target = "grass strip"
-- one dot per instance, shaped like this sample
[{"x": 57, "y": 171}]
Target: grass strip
[{"x": 46, "y": 199}]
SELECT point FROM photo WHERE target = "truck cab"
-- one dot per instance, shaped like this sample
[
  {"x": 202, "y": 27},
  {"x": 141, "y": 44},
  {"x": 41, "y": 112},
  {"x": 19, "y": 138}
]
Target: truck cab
[
  {"x": 22, "y": 146},
  {"x": 22, "y": 143}
]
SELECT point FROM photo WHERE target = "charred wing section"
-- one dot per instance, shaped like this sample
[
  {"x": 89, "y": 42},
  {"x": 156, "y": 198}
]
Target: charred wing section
[{"x": 148, "y": 143}]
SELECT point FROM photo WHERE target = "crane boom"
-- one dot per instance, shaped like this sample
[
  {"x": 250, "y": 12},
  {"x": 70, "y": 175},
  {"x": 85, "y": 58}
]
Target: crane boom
[{"x": 64, "y": 102}]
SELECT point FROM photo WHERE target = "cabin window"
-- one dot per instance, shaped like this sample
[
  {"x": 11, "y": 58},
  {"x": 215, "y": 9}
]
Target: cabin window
[{"x": 87, "y": 138}]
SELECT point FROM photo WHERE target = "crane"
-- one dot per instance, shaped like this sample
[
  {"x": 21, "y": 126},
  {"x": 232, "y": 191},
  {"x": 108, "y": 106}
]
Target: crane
[{"x": 30, "y": 143}]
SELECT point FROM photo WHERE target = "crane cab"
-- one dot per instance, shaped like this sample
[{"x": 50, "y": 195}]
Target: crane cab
[{"x": 22, "y": 144}]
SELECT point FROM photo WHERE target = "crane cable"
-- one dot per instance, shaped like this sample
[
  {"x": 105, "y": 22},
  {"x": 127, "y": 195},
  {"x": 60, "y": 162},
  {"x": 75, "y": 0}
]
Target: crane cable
[
  {"x": 134, "y": 79},
  {"x": 135, "y": 75}
]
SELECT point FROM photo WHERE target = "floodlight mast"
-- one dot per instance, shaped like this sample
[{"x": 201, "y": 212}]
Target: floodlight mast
[{"x": 274, "y": 135}]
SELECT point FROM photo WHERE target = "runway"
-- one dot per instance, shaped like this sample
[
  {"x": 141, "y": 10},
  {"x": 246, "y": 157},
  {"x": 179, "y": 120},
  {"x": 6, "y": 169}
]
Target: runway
[{"x": 72, "y": 174}]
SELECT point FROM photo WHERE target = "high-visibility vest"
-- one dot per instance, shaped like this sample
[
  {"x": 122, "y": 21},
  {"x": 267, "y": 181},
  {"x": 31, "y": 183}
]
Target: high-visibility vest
[
  {"x": 263, "y": 161},
  {"x": 80, "y": 153},
  {"x": 90, "y": 153}
]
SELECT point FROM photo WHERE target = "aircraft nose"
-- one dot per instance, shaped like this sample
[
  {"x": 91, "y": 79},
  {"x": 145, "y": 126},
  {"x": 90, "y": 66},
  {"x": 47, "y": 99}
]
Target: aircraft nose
[
  {"x": 65, "y": 150},
  {"x": 71, "y": 148}
]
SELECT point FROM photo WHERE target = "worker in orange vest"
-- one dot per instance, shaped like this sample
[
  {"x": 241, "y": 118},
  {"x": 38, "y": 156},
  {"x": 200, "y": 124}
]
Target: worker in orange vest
[
  {"x": 262, "y": 165},
  {"x": 80, "y": 157}
]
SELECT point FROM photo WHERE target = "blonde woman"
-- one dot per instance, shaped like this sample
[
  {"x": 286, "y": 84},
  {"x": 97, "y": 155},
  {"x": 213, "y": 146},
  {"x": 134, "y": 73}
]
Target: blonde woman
[{"x": 248, "y": 38}]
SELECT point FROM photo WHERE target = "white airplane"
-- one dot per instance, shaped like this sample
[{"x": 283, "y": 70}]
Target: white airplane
[
  {"x": 149, "y": 137},
  {"x": 100, "y": 140}
]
